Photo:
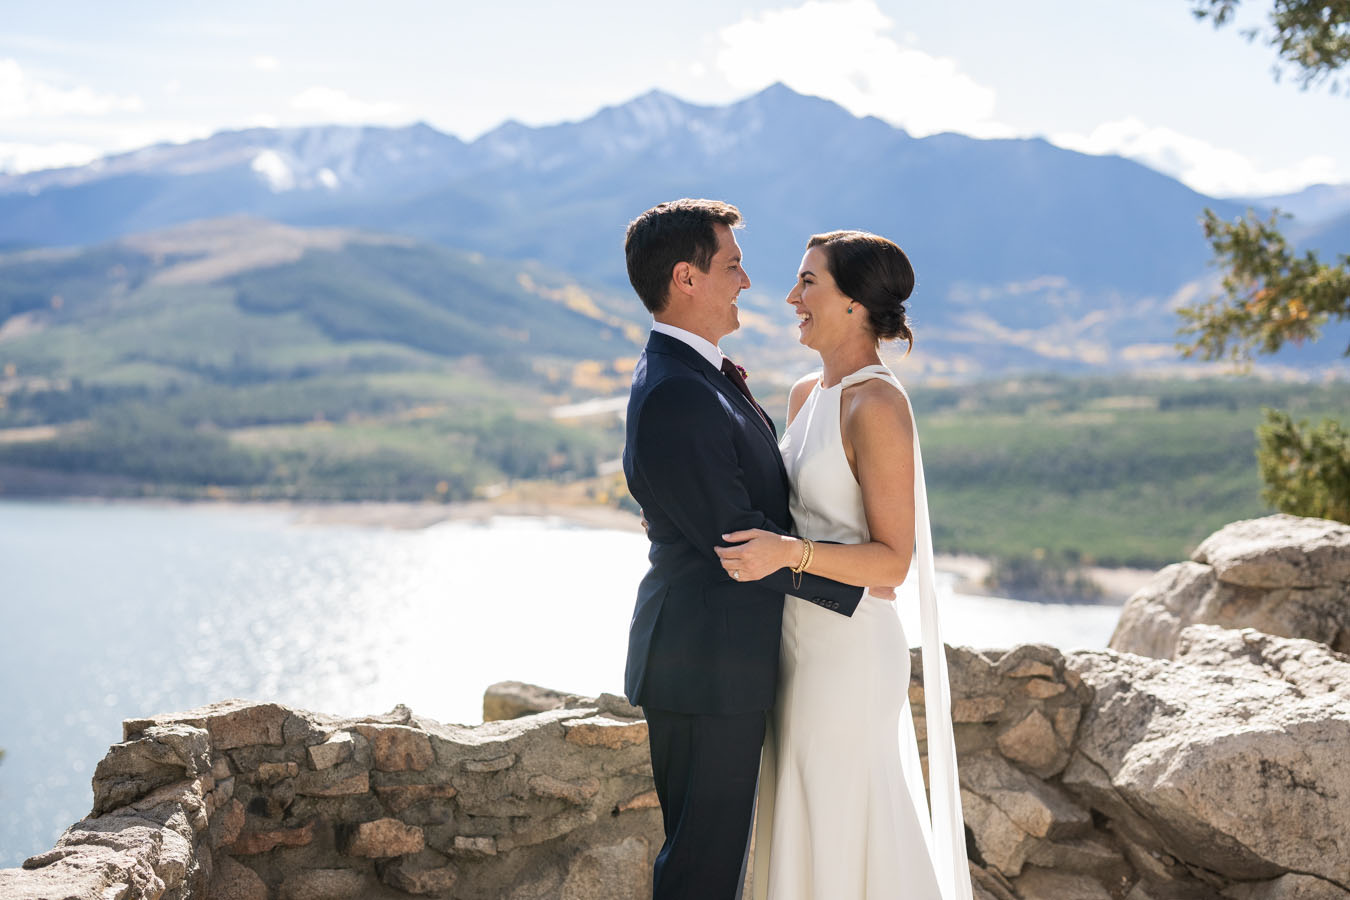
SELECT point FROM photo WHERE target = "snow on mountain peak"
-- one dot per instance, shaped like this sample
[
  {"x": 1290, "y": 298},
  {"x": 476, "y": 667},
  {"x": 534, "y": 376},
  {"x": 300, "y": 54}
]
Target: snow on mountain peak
[{"x": 274, "y": 170}]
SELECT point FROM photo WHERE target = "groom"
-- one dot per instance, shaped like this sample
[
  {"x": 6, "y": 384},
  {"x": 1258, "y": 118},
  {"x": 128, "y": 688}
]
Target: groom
[{"x": 702, "y": 459}]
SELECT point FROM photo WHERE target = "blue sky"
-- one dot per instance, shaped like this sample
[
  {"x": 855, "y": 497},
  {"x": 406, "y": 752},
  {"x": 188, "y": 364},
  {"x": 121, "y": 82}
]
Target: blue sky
[{"x": 1143, "y": 78}]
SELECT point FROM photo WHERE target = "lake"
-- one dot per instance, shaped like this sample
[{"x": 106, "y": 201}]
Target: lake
[{"x": 113, "y": 611}]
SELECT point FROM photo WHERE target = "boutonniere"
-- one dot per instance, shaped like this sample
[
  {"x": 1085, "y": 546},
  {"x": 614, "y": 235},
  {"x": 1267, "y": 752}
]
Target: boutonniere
[{"x": 740, "y": 368}]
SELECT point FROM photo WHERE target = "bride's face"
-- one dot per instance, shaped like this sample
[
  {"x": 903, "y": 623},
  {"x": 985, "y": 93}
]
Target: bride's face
[{"x": 820, "y": 307}]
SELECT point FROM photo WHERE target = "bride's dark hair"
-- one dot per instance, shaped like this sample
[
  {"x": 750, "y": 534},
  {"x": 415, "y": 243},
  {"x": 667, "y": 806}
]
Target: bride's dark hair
[{"x": 875, "y": 272}]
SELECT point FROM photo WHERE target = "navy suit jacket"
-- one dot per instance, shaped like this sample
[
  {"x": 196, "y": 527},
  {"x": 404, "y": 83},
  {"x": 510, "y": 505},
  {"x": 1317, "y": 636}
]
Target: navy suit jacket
[{"x": 702, "y": 463}]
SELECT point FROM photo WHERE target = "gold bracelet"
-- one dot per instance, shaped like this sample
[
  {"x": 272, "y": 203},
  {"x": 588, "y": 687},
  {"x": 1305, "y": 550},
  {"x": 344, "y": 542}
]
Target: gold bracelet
[{"x": 808, "y": 551}]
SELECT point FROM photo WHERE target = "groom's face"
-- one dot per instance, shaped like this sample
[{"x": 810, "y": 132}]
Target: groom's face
[{"x": 716, "y": 290}]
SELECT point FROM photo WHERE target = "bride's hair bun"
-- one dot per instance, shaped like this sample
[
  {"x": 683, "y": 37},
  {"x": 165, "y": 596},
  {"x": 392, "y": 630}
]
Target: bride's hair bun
[{"x": 874, "y": 272}]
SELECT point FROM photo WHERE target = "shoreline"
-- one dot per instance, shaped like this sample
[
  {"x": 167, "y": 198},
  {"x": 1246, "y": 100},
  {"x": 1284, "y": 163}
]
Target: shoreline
[{"x": 1117, "y": 584}]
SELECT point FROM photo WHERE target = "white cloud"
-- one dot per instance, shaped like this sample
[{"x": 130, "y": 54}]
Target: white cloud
[
  {"x": 16, "y": 158},
  {"x": 333, "y": 105},
  {"x": 266, "y": 63},
  {"x": 1201, "y": 165},
  {"x": 25, "y": 97},
  {"x": 843, "y": 50}
]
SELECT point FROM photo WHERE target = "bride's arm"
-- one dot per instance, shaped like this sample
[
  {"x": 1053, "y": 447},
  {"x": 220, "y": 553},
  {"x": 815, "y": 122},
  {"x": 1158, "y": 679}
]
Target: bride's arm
[{"x": 879, "y": 439}]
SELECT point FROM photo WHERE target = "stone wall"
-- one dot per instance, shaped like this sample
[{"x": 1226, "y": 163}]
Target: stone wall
[
  {"x": 1219, "y": 772},
  {"x": 1092, "y": 774},
  {"x": 245, "y": 801}
]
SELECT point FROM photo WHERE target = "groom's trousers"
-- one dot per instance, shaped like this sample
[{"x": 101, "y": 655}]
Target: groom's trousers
[{"x": 706, "y": 769}]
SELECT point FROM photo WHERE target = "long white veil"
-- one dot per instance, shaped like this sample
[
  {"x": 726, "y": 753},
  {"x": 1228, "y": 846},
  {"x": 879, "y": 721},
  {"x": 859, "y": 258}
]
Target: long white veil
[{"x": 947, "y": 838}]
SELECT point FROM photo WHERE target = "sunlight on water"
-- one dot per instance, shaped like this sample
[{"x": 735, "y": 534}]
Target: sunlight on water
[{"x": 112, "y": 612}]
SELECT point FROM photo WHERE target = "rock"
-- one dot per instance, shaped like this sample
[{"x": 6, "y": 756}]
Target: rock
[
  {"x": 615, "y": 872},
  {"x": 577, "y": 792},
  {"x": 1009, "y": 812},
  {"x": 1045, "y": 884},
  {"x": 1029, "y": 661},
  {"x": 337, "y": 749},
  {"x": 1153, "y": 617},
  {"x": 398, "y": 748},
  {"x": 162, "y": 755},
  {"x": 1031, "y": 669},
  {"x": 977, "y": 709},
  {"x": 231, "y": 723},
  {"x": 1092, "y": 855},
  {"x": 475, "y": 846},
  {"x": 425, "y": 873},
  {"x": 1066, "y": 723},
  {"x": 1282, "y": 575},
  {"x": 91, "y": 871},
  {"x": 251, "y": 842},
  {"x": 269, "y": 773},
  {"x": 645, "y": 800},
  {"x": 1279, "y": 551},
  {"x": 602, "y": 731},
  {"x": 133, "y": 854},
  {"x": 1288, "y": 887},
  {"x": 513, "y": 699},
  {"x": 234, "y": 881},
  {"x": 988, "y": 885},
  {"x": 1042, "y": 689},
  {"x": 1230, "y": 759},
  {"x": 380, "y": 839},
  {"x": 496, "y": 764},
  {"x": 228, "y": 824},
  {"x": 174, "y": 746},
  {"x": 332, "y": 783},
  {"x": 546, "y": 830},
  {"x": 1033, "y": 743},
  {"x": 615, "y": 705},
  {"x": 398, "y": 797},
  {"x": 181, "y": 806},
  {"x": 544, "y": 884},
  {"x": 325, "y": 884},
  {"x": 176, "y": 858}
]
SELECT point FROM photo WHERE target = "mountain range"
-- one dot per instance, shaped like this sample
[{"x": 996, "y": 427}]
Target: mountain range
[
  {"x": 1028, "y": 255},
  {"x": 264, "y": 360}
]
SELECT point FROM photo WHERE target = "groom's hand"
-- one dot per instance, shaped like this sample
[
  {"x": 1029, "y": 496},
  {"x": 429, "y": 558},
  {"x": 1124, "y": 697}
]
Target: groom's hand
[{"x": 757, "y": 553}]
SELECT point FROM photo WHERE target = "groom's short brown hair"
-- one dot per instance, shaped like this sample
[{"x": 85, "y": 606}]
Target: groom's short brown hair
[{"x": 669, "y": 233}]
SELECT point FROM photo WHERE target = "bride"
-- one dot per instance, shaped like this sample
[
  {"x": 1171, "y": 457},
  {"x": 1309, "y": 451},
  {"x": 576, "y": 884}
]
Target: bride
[{"x": 841, "y": 810}]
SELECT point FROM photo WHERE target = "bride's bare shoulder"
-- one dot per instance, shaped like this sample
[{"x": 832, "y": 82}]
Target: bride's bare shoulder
[
  {"x": 875, "y": 405},
  {"x": 800, "y": 391}
]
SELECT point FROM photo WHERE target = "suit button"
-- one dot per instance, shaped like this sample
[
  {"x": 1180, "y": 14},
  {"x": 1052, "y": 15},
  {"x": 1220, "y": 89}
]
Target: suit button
[{"x": 834, "y": 604}]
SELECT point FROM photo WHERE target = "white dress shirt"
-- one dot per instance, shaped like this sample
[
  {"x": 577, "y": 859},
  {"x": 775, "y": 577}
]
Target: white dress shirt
[{"x": 706, "y": 348}]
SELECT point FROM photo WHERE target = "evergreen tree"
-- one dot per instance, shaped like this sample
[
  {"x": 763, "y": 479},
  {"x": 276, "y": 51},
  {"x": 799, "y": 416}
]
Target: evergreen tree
[{"x": 1270, "y": 295}]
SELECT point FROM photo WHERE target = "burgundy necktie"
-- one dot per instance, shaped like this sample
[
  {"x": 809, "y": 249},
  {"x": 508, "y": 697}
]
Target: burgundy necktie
[{"x": 733, "y": 372}]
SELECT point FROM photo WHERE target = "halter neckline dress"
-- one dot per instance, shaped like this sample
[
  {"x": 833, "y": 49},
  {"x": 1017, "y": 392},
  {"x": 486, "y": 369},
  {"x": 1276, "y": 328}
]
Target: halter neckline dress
[{"x": 842, "y": 813}]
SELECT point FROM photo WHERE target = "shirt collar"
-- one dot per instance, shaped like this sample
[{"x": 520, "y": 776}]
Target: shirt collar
[{"x": 706, "y": 348}]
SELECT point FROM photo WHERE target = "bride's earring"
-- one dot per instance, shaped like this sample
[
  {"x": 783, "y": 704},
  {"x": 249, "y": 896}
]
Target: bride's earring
[{"x": 850, "y": 309}]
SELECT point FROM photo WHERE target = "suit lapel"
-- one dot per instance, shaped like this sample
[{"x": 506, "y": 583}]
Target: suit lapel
[{"x": 663, "y": 343}]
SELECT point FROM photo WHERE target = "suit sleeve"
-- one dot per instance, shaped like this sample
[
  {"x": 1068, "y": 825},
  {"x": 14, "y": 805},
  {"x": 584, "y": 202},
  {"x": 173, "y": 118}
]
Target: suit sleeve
[{"x": 693, "y": 472}]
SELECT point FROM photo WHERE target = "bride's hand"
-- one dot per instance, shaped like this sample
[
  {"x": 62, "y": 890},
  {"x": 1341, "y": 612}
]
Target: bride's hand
[
  {"x": 757, "y": 553},
  {"x": 882, "y": 593}
]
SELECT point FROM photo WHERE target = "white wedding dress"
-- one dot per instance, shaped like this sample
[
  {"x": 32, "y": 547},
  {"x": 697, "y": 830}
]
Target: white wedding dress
[{"x": 841, "y": 811}]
